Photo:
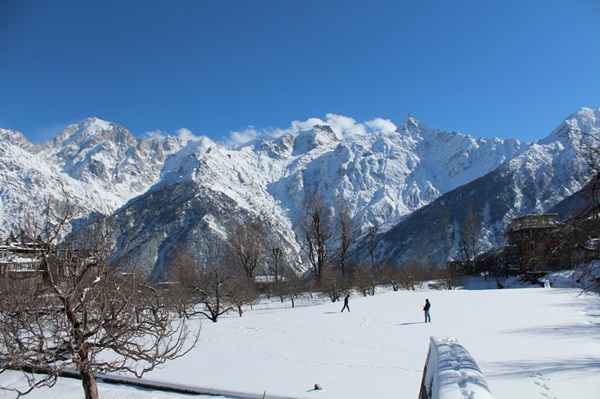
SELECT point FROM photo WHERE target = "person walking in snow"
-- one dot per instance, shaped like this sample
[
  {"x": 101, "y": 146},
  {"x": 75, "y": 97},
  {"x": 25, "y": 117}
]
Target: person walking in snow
[
  {"x": 426, "y": 310},
  {"x": 346, "y": 303}
]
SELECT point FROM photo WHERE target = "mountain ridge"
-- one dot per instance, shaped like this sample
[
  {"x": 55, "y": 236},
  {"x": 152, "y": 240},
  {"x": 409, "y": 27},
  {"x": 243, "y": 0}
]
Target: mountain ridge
[{"x": 381, "y": 173}]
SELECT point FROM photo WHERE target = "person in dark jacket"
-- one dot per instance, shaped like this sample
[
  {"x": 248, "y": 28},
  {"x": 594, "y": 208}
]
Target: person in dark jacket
[
  {"x": 426, "y": 310},
  {"x": 346, "y": 303}
]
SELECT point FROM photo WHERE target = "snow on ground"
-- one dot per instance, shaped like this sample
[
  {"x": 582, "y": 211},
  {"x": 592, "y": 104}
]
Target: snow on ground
[{"x": 528, "y": 342}]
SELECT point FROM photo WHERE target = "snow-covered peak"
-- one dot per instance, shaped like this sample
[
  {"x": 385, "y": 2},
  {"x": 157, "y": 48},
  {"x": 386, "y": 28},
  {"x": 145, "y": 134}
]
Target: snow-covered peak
[
  {"x": 414, "y": 130},
  {"x": 412, "y": 126},
  {"x": 80, "y": 132},
  {"x": 185, "y": 164},
  {"x": 96, "y": 124},
  {"x": 586, "y": 121},
  {"x": 320, "y": 136},
  {"x": 99, "y": 163},
  {"x": 14, "y": 137},
  {"x": 410, "y": 123}
]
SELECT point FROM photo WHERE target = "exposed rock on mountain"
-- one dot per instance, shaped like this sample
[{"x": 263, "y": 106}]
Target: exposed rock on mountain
[{"x": 414, "y": 182}]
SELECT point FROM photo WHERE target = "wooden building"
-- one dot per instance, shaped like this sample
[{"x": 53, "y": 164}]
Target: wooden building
[
  {"x": 23, "y": 256},
  {"x": 532, "y": 245}
]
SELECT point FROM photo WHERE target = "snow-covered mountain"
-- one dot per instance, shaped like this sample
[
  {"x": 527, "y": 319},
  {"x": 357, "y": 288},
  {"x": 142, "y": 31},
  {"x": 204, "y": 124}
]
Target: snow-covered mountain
[
  {"x": 97, "y": 165},
  {"x": 164, "y": 193},
  {"x": 535, "y": 181}
]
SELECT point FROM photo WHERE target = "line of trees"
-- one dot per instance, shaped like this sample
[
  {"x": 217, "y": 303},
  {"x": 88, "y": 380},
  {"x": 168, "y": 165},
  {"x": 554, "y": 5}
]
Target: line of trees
[{"x": 330, "y": 239}]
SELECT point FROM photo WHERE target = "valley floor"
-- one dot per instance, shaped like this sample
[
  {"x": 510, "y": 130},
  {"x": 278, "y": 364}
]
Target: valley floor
[{"x": 529, "y": 343}]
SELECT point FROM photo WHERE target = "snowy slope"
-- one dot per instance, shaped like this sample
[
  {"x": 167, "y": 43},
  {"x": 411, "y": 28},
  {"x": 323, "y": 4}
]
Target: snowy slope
[{"x": 529, "y": 343}]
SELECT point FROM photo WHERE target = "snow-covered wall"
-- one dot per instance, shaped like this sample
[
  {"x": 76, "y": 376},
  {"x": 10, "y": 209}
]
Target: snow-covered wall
[{"x": 451, "y": 372}]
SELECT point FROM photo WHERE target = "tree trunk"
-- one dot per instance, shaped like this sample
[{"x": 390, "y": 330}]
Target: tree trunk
[{"x": 90, "y": 387}]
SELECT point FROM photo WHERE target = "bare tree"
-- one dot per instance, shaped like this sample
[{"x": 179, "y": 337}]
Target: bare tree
[
  {"x": 204, "y": 291},
  {"x": 317, "y": 234},
  {"x": 364, "y": 280},
  {"x": 291, "y": 286},
  {"x": 277, "y": 255},
  {"x": 390, "y": 274},
  {"x": 85, "y": 314},
  {"x": 241, "y": 292},
  {"x": 590, "y": 151},
  {"x": 247, "y": 241},
  {"x": 579, "y": 236},
  {"x": 286, "y": 283},
  {"x": 333, "y": 284},
  {"x": 181, "y": 278},
  {"x": 371, "y": 244},
  {"x": 470, "y": 232},
  {"x": 450, "y": 277},
  {"x": 411, "y": 275},
  {"x": 344, "y": 222}
]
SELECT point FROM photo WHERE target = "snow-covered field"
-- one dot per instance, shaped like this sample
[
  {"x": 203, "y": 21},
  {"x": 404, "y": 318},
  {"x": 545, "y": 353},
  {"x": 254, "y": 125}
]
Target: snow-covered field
[{"x": 528, "y": 342}]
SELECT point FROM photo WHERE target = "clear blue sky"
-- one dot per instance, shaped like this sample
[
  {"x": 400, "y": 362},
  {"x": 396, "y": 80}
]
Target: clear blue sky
[{"x": 510, "y": 68}]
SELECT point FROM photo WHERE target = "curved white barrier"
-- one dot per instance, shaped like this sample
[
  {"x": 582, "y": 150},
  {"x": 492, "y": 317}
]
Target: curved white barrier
[{"x": 451, "y": 372}]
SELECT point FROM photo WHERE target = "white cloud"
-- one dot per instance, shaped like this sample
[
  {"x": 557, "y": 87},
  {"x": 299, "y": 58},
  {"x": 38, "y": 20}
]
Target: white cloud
[
  {"x": 344, "y": 126},
  {"x": 308, "y": 124},
  {"x": 156, "y": 134},
  {"x": 383, "y": 125},
  {"x": 186, "y": 135},
  {"x": 238, "y": 138}
]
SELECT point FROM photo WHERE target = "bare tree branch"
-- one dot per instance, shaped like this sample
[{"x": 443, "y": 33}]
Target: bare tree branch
[{"x": 78, "y": 312}]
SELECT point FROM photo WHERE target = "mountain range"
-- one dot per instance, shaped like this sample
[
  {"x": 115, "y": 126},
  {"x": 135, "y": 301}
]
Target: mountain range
[{"x": 413, "y": 182}]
